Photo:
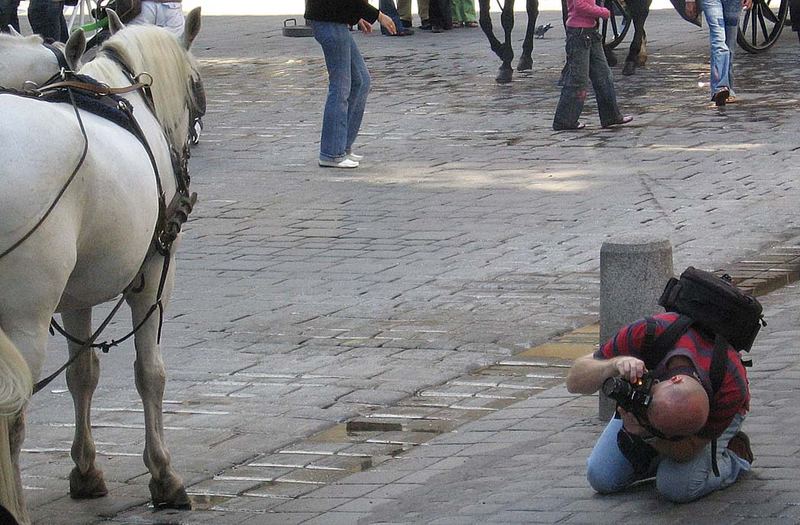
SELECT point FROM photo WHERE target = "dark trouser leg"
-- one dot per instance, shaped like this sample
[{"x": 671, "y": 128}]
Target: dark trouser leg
[
  {"x": 573, "y": 93},
  {"x": 603, "y": 83}
]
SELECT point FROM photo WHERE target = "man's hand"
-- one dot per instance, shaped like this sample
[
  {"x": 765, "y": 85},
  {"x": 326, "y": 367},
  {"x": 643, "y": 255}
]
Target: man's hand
[
  {"x": 747, "y": 4},
  {"x": 364, "y": 26},
  {"x": 387, "y": 23},
  {"x": 630, "y": 368}
]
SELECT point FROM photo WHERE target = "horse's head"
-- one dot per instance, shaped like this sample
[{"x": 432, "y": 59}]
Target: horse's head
[
  {"x": 26, "y": 61},
  {"x": 175, "y": 73}
]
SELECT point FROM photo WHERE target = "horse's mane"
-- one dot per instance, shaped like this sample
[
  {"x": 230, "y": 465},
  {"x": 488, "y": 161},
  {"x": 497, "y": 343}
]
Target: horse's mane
[
  {"x": 153, "y": 50},
  {"x": 11, "y": 39}
]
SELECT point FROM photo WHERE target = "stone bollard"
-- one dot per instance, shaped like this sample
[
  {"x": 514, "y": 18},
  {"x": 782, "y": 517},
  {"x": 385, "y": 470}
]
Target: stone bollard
[{"x": 634, "y": 269}]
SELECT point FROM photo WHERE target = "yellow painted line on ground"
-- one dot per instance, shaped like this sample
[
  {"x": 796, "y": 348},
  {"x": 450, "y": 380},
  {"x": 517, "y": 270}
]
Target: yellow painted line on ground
[{"x": 571, "y": 345}]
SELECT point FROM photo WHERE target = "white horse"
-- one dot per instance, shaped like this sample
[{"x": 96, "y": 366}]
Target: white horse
[
  {"x": 25, "y": 61},
  {"x": 96, "y": 241}
]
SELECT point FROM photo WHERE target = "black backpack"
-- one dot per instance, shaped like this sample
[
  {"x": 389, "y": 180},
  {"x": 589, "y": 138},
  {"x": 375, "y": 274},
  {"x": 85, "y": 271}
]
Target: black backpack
[{"x": 715, "y": 307}]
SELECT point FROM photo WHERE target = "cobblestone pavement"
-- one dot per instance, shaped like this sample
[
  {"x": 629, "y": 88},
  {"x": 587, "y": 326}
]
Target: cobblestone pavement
[{"x": 471, "y": 233}]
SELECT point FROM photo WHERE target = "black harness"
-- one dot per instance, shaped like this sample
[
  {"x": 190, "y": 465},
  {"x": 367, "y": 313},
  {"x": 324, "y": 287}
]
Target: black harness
[{"x": 87, "y": 94}]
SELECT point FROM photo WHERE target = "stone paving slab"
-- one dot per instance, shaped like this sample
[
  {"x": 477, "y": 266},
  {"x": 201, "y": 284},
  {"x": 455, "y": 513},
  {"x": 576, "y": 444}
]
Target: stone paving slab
[{"x": 470, "y": 234}]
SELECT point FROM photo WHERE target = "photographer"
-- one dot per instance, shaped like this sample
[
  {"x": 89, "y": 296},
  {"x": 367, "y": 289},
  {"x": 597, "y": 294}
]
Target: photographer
[{"x": 675, "y": 428}]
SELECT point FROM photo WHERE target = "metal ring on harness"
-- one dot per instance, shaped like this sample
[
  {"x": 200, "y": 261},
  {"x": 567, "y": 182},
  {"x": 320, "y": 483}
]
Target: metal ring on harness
[{"x": 138, "y": 79}]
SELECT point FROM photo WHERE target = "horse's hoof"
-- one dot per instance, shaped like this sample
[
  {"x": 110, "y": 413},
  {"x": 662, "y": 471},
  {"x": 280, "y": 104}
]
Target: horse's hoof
[
  {"x": 504, "y": 75},
  {"x": 174, "y": 498},
  {"x": 525, "y": 63},
  {"x": 629, "y": 69},
  {"x": 87, "y": 486}
]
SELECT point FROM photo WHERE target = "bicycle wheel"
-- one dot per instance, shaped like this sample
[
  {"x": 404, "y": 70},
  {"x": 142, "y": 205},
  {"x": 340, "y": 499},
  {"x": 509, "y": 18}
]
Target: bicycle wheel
[
  {"x": 760, "y": 27},
  {"x": 616, "y": 27}
]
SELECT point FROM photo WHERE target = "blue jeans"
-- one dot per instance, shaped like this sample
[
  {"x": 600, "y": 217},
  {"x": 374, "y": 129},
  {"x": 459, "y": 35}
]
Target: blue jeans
[
  {"x": 609, "y": 471},
  {"x": 722, "y": 17},
  {"x": 586, "y": 61},
  {"x": 348, "y": 85}
]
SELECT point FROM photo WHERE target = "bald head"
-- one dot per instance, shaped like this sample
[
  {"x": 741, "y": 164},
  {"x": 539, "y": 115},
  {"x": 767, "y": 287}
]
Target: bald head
[{"x": 679, "y": 406}]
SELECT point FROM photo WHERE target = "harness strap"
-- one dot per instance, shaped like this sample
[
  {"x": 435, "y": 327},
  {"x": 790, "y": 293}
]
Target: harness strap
[
  {"x": 60, "y": 58},
  {"x": 99, "y": 88},
  {"x": 44, "y": 382}
]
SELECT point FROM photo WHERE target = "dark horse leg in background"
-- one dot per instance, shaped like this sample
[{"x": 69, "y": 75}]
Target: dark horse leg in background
[
  {"x": 502, "y": 50},
  {"x": 637, "y": 55},
  {"x": 526, "y": 60}
]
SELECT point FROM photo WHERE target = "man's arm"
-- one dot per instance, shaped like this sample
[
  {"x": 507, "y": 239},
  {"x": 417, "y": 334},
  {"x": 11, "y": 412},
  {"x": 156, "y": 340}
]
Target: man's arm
[{"x": 588, "y": 373}]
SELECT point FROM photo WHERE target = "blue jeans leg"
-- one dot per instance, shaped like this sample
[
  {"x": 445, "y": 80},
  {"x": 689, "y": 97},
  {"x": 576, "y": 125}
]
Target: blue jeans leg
[
  {"x": 722, "y": 17},
  {"x": 684, "y": 482},
  {"x": 348, "y": 85},
  {"x": 359, "y": 89},
  {"x": 608, "y": 469}
]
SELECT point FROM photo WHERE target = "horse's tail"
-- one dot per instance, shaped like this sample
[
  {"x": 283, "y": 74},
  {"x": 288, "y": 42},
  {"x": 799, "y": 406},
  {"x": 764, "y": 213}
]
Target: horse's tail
[
  {"x": 16, "y": 382},
  {"x": 16, "y": 385}
]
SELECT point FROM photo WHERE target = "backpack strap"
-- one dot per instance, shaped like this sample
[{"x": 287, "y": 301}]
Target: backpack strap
[
  {"x": 654, "y": 349},
  {"x": 719, "y": 365}
]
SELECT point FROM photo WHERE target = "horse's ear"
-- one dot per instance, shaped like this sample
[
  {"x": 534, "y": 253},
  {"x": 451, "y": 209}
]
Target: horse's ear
[
  {"x": 114, "y": 23},
  {"x": 13, "y": 31},
  {"x": 73, "y": 51},
  {"x": 192, "y": 27}
]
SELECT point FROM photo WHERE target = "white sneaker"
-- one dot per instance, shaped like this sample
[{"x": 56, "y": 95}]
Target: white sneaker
[
  {"x": 355, "y": 157},
  {"x": 344, "y": 163}
]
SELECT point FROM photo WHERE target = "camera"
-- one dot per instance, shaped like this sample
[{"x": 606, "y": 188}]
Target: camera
[{"x": 633, "y": 397}]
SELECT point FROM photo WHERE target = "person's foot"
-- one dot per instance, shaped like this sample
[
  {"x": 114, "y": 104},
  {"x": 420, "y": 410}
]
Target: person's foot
[
  {"x": 721, "y": 96},
  {"x": 740, "y": 445},
  {"x": 425, "y": 25},
  {"x": 354, "y": 156},
  {"x": 471, "y": 23},
  {"x": 577, "y": 126},
  {"x": 401, "y": 31},
  {"x": 621, "y": 122},
  {"x": 436, "y": 29},
  {"x": 344, "y": 163},
  {"x": 406, "y": 23}
]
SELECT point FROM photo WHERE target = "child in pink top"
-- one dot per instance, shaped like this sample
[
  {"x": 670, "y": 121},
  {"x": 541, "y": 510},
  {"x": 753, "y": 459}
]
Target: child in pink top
[{"x": 586, "y": 62}]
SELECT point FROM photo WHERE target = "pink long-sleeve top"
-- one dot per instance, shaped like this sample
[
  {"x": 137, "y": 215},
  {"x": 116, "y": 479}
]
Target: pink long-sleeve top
[{"x": 584, "y": 13}]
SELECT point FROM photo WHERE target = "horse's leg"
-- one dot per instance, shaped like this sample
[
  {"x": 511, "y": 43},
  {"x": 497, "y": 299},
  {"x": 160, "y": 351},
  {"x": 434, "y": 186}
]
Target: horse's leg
[
  {"x": 639, "y": 9},
  {"x": 85, "y": 480},
  {"x": 506, "y": 72},
  {"x": 166, "y": 487},
  {"x": 526, "y": 59},
  {"x": 611, "y": 57},
  {"x": 500, "y": 49}
]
